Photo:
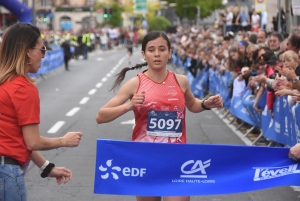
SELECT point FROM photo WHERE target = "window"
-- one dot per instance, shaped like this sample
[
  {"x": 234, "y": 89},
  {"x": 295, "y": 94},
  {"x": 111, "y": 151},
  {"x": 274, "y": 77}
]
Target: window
[
  {"x": 65, "y": 2},
  {"x": 45, "y": 3},
  {"x": 25, "y": 2}
]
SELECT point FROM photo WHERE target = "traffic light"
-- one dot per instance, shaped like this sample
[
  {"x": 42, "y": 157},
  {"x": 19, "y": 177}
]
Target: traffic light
[
  {"x": 105, "y": 13},
  {"x": 45, "y": 19}
]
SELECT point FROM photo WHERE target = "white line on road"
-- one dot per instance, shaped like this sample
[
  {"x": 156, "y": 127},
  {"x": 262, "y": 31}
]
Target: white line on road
[
  {"x": 84, "y": 100},
  {"x": 99, "y": 85},
  {"x": 104, "y": 79},
  {"x": 73, "y": 111},
  {"x": 92, "y": 91},
  {"x": 108, "y": 75},
  {"x": 56, "y": 127},
  {"x": 99, "y": 59}
]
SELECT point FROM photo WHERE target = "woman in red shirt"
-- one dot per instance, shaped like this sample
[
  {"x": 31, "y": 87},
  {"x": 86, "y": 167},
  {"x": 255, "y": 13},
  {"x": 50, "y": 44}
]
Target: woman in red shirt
[{"x": 21, "y": 52}]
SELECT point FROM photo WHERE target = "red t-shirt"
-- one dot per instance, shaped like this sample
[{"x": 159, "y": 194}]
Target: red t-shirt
[
  {"x": 270, "y": 95},
  {"x": 19, "y": 106}
]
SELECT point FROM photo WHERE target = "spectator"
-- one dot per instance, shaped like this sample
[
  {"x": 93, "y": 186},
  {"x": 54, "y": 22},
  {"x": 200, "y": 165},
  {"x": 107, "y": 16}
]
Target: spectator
[
  {"x": 293, "y": 42},
  {"x": 228, "y": 19},
  {"x": 244, "y": 19},
  {"x": 275, "y": 24},
  {"x": 67, "y": 52},
  {"x": 21, "y": 52},
  {"x": 274, "y": 42},
  {"x": 255, "y": 21},
  {"x": 262, "y": 37}
]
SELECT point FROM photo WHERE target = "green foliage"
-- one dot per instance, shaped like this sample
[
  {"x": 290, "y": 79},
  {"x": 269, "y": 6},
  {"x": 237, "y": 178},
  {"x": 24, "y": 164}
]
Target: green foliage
[
  {"x": 152, "y": 8},
  {"x": 116, "y": 18},
  {"x": 128, "y": 7},
  {"x": 159, "y": 24},
  {"x": 186, "y": 8}
]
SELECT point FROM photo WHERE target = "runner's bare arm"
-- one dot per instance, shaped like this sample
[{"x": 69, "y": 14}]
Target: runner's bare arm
[
  {"x": 193, "y": 104},
  {"x": 116, "y": 107}
]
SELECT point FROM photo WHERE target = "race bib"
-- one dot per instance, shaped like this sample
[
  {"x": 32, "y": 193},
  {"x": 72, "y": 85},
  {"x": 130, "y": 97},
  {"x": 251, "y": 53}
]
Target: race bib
[{"x": 164, "y": 123}]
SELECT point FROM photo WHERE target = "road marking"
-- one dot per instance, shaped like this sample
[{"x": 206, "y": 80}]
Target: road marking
[
  {"x": 99, "y": 85},
  {"x": 108, "y": 75},
  {"x": 132, "y": 121},
  {"x": 104, "y": 79},
  {"x": 84, "y": 100},
  {"x": 56, "y": 127},
  {"x": 92, "y": 91},
  {"x": 99, "y": 59},
  {"x": 73, "y": 111}
]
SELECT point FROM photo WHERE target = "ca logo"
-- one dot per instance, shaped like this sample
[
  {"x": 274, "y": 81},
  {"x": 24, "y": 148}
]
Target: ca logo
[
  {"x": 198, "y": 166},
  {"x": 106, "y": 175}
]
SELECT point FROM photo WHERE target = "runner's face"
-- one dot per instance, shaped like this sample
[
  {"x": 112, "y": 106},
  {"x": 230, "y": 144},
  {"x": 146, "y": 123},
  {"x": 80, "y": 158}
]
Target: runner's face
[{"x": 157, "y": 53}]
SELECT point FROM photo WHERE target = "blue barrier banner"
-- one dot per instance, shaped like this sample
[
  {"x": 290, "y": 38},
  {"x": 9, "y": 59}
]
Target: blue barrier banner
[
  {"x": 224, "y": 82},
  {"x": 190, "y": 77},
  {"x": 161, "y": 169},
  {"x": 212, "y": 81},
  {"x": 248, "y": 101},
  {"x": 283, "y": 123},
  {"x": 296, "y": 116},
  {"x": 51, "y": 61},
  {"x": 199, "y": 83},
  {"x": 238, "y": 109}
]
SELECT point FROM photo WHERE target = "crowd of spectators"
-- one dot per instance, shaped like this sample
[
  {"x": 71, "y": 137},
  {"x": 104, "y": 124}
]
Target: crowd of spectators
[{"x": 256, "y": 60}]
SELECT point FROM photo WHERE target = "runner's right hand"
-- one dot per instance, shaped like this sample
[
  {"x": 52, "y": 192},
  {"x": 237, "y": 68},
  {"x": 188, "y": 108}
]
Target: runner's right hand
[{"x": 137, "y": 100}]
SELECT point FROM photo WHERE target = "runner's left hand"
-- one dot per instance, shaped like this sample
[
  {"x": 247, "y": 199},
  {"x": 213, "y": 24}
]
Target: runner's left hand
[{"x": 215, "y": 101}]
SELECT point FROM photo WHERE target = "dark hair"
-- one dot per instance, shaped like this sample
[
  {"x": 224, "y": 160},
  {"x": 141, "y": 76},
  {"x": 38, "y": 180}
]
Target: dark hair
[
  {"x": 277, "y": 35},
  {"x": 149, "y": 37},
  {"x": 253, "y": 38},
  {"x": 295, "y": 41},
  {"x": 255, "y": 55}
]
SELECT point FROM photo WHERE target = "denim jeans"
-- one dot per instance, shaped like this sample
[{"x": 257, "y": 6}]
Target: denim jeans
[{"x": 12, "y": 184}]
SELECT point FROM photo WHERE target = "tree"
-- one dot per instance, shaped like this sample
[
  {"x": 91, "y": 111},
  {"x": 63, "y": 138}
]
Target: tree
[
  {"x": 128, "y": 7},
  {"x": 116, "y": 18},
  {"x": 152, "y": 9},
  {"x": 186, "y": 8},
  {"x": 159, "y": 24}
]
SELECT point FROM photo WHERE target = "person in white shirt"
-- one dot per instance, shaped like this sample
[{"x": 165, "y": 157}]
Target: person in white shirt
[
  {"x": 264, "y": 18},
  {"x": 255, "y": 21},
  {"x": 228, "y": 19}
]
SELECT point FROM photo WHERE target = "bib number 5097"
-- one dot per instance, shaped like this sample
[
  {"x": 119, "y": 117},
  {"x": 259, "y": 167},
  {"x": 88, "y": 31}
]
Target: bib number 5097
[{"x": 168, "y": 124}]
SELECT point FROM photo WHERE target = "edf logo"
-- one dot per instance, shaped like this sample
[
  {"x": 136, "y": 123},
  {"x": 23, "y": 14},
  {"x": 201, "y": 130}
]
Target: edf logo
[
  {"x": 198, "y": 166},
  {"x": 126, "y": 171}
]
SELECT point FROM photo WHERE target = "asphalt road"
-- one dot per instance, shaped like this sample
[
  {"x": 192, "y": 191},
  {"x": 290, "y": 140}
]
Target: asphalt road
[{"x": 70, "y": 101}]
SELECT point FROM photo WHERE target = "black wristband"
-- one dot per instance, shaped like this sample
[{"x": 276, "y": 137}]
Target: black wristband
[
  {"x": 47, "y": 170},
  {"x": 203, "y": 106}
]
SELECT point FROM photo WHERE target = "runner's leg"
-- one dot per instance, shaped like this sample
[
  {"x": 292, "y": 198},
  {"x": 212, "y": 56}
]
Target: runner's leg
[
  {"x": 147, "y": 198},
  {"x": 177, "y": 198}
]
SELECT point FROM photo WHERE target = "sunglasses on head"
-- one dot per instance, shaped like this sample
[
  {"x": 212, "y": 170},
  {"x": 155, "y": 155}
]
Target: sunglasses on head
[{"x": 43, "y": 50}]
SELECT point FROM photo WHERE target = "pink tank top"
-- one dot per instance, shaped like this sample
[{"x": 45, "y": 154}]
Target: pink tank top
[{"x": 161, "y": 118}]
